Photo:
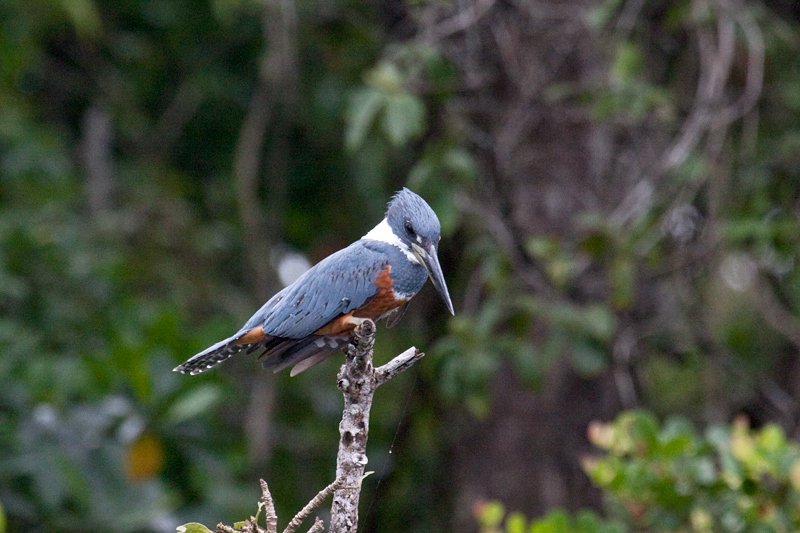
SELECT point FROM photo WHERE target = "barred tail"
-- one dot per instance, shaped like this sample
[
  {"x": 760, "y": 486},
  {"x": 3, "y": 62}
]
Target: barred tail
[
  {"x": 278, "y": 352},
  {"x": 211, "y": 356}
]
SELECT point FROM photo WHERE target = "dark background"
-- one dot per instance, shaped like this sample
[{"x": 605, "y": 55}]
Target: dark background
[{"x": 617, "y": 183}]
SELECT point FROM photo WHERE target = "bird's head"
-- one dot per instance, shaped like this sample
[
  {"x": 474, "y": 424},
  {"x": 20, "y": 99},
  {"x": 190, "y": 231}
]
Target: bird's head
[{"x": 417, "y": 227}]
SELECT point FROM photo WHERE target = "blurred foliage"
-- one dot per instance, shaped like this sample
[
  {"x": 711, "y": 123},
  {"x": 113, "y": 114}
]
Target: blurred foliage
[
  {"x": 672, "y": 478},
  {"x": 687, "y": 262},
  {"x": 100, "y": 300},
  {"x": 492, "y": 518},
  {"x": 124, "y": 240},
  {"x": 731, "y": 478}
]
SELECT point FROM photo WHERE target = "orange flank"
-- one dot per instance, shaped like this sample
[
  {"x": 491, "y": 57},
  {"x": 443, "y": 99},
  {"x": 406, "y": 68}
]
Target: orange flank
[
  {"x": 384, "y": 301},
  {"x": 339, "y": 325},
  {"x": 380, "y": 304},
  {"x": 252, "y": 336}
]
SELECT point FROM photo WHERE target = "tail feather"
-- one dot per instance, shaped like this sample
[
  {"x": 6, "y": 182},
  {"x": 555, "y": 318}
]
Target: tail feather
[
  {"x": 211, "y": 356},
  {"x": 258, "y": 345},
  {"x": 278, "y": 352},
  {"x": 302, "y": 353},
  {"x": 311, "y": 360}
]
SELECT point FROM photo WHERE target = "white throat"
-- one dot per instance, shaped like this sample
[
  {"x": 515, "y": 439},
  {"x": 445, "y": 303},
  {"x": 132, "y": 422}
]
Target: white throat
[{"x": 383, "y": 233}]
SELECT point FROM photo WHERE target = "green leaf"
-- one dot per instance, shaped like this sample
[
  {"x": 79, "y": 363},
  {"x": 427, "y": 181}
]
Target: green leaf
[
  {"x": 227, "y": 11},
  {"x": 588, "y": 360},
  {"x": 627, "y": 64},
  {"x": 193, "y": 403},
  {"x": 622, "y": 278},
  {"x": 193, "y": 527},
  {"x": 772, "y": 438},
  {"x": 555, "y": 522},
  {"x": 644, "y": 429},
  {"x": 386, "y": 76},
  {"x": 529, "y": 367},
  {"x": 599, "y": 322},
  {"x": 586, "y": 522},
  {"x": 601, "y": 15},
  {"x": 403, "y": 118},
  {"x": 515, "y": 523},
  {"x": 542, "y": 247},
  {"x": 491, "y": 514},
  {"x": 460, "y": 162},
  {"x": 362, "y": 108},
  {"x": 420, "y": 173},
  {"x": 84, "y": 16}
]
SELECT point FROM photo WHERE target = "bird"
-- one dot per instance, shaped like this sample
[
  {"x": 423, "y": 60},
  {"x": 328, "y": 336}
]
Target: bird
[{"x": 373, "y": 278}]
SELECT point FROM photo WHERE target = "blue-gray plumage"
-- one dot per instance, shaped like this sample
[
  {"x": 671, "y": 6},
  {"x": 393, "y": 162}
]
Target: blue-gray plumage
[{"x": 373, "y": 278}]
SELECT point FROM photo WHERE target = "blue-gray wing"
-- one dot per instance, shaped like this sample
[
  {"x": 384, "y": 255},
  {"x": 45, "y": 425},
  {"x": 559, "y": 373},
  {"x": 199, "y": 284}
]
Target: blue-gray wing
[
  {"x": 336, "y": 285},
  {"x": 284, "y": 326}
]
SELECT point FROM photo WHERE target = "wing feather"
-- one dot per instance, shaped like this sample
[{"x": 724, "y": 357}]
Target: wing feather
[{"x": 334, "y": 286}]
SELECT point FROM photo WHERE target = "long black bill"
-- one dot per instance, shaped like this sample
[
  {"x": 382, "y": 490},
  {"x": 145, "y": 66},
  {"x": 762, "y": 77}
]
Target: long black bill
[{"x": 430, "y": 261}]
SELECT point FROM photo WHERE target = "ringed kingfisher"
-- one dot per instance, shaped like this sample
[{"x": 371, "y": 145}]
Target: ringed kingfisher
[{"x": 373, "y": 278}]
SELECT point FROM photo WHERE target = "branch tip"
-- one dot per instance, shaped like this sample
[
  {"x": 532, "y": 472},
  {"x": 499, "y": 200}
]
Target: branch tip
[
  {"x": 397, "y": 365},
  {"x": 318, "y": 526},
  {"x": 365, "y": 330},
  {"x": 270, "y": 516}
]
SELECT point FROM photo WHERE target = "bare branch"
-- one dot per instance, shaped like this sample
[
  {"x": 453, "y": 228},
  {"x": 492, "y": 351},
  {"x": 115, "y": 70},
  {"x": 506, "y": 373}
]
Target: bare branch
[
  {"x": 463, "y": 19},
  {"x": 397, "y": 365},
  {"x": 170, "y": 125},
  {"x": 270, "y": 517},
  {"x": 507, "y": 242},
  {"x": 716, "y": 61},
  {"x": 627, "y": 19},
  {"x": 311, "y": 506},
  {"x": 775, "y": 313},
  {"x": 358, "y": 380},
  {"x": 96, "y": 157},
  {"x": 317, "y": 527},
  {"x": 276, "y": 85},
  {"x": 755, "y": 67}
]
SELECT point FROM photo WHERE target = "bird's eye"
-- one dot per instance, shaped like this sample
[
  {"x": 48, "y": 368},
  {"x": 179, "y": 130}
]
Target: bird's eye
[{"x": 410, "y": 229}]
